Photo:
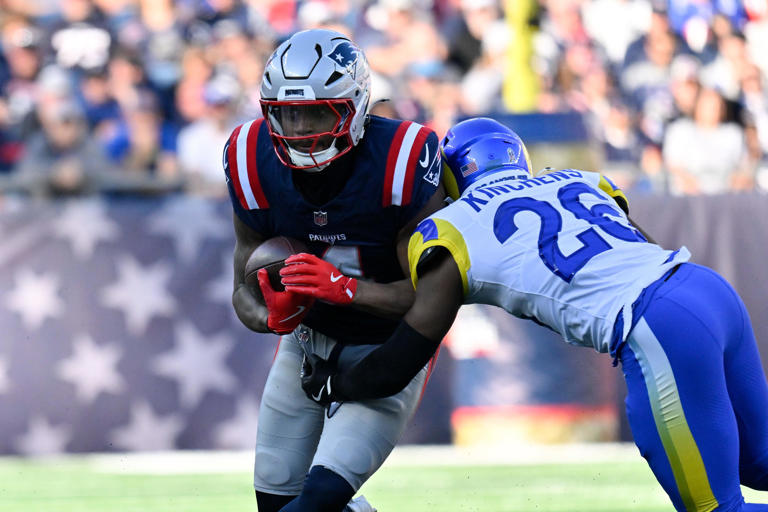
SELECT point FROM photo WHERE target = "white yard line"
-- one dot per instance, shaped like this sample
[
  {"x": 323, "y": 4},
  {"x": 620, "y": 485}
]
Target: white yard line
[{"x": 414, "y": 455}]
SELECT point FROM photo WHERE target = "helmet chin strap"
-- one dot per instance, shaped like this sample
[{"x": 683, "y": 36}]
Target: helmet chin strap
[{"x": 301, "y": 159}]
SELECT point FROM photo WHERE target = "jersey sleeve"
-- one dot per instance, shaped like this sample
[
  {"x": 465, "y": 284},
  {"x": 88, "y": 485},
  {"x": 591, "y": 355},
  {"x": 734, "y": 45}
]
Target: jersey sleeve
[
  {"x": 431, "y": 233},
  {"x": 231, "y": 165},
  {"x": 610, "y": 188},
  {"x": 412, "y": 170}
]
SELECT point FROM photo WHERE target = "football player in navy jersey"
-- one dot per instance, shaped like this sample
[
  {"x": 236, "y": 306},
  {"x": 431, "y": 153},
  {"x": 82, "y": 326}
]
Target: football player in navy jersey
[
  {"x": 352, "y": 187},
  {"x": 559, "y": 248}
]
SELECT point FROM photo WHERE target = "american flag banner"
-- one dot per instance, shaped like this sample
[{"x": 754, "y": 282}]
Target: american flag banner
[{"x": 118, "y": 332}]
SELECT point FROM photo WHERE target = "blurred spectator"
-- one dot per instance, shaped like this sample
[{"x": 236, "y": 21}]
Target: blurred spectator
[
  {"x": 249, "y": 70},
  {"x": 465, "y": 29},
  {"x": 201, "y": 143},
  {"x": 658, "y": 28},
  {"x": 101, "y": 109},
  {"x": 126, "y": 77},
  {"x": 195, "y": 72},
  {"x": 408, "y": 37},
  {"x": 142, "y": 141},
  {"x": 649, "y": 73},
  {"x": 21, "y": 48},
  {"x": 62, "y": 159},
  {"x": 705, "y": 155},
  {"x": 80, "y": 38},
  {"x": 158, "y": 36},
  {"x": 724, "y": 72},
  {"x": 614, "y": 24},
  {"x": 754, "y": 102},
  {"x": 273, "y": 18},
  {"x": 481, "y": 86},
  {"x": 684, "y": 85}
]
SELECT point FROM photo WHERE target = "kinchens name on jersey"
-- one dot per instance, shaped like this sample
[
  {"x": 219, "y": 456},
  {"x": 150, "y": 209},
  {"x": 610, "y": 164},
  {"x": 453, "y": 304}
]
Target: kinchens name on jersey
[
  {"x": 557, "y": 248},
  {"x": 393, "y": 172}
]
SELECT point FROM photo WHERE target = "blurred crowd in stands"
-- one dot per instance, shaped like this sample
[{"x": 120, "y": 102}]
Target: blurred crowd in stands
[{"x": 141, "y": 94}]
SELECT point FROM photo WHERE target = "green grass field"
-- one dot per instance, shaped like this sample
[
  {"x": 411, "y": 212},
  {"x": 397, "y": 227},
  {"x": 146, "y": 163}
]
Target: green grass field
[{"x": 216, "y": 482}]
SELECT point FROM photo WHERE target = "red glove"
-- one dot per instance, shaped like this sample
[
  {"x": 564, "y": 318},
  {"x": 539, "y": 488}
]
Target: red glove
[
  {"x": 312, "y": 276},
  {"x": 286, "y": 309}
]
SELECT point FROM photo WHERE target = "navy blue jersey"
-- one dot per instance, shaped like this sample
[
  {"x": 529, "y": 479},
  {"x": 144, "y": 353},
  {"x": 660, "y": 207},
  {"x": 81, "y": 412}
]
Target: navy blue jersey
[{"x": 395, "y": 170}]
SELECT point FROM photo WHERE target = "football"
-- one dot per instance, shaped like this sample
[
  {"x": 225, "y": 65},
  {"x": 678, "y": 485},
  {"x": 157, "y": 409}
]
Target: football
[{"x": 271, "y": 255}]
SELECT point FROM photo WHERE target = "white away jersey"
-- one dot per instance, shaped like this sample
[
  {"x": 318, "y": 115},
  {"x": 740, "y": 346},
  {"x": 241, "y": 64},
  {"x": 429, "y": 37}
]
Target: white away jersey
[{"x": 556, "y": 249}]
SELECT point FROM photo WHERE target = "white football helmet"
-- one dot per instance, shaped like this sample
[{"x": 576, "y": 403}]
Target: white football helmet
[{"x": 314, "y": 95}]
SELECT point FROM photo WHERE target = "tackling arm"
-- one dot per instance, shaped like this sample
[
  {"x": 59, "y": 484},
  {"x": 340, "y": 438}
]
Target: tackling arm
[
  {"x": 389, "y": 368},
  {"x": 392, "y": 300},
  {"x": 249, "y": 310}
]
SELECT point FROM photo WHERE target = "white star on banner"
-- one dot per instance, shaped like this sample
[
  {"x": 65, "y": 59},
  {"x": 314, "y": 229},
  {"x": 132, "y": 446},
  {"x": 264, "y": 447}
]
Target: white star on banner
[
  {"x": 84, "y": 224},
  {"x": 35, "y": 298},
  {"x": 148, "y": 431},
  {"x": 197, "y": 363},
  {"x": 239, "y": 432},
  {"x": 5, "y": 383},
  {"x": 200, "y": 221},
  {"x": 92, "y": 369},
  {"x": 220, "y": 289},
  {"x": 140, "y": 293},
  {"x": 43, "y": 438}
]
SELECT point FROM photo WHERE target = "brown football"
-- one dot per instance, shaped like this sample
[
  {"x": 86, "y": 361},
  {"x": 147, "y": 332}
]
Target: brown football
[{"x": 271, "y": 255}]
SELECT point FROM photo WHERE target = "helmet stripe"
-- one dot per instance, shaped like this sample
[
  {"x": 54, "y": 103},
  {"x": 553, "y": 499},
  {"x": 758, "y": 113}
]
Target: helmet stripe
[
  {"x": 233, "y": 170},
  {"x": 394, "y": 149}
]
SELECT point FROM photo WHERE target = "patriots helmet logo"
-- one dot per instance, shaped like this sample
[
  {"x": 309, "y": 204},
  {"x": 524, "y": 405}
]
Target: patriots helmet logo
[{"x": 345, "y": 54}]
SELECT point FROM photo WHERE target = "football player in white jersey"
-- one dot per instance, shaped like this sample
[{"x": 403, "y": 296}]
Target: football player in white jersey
[{"x": 559, "y": 249}]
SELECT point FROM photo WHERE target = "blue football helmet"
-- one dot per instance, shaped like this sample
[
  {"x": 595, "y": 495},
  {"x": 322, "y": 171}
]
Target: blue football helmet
[{"x": 477, "y": 147}]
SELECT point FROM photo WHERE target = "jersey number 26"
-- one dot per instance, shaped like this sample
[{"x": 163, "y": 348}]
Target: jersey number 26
[{"x": 565, "y": 267}]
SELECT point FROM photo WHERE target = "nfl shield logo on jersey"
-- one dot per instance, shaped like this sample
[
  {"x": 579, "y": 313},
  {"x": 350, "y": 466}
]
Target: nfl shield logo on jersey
[{"x": 321, "y": 218}]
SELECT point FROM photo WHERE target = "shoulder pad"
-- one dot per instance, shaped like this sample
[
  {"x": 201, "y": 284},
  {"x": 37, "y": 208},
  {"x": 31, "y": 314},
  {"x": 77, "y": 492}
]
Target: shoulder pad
[
  {"x": 408, "y": 149},
  {"x": 607, "y": 186},
  {"x": 240, "y": 164}
]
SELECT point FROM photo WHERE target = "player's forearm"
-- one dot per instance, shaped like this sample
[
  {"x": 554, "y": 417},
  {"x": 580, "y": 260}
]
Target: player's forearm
[
  {"x": 390, "y": 300},
  {"x": 388, "y": 369},
  {"x": 248, "y": 309},
  {"x": 252, "y": 314}
]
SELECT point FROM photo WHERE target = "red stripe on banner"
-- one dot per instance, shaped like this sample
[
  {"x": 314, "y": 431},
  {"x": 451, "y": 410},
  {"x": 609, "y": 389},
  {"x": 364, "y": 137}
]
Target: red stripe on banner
[
  {"x": 233, "y": 172},
  {"x": 394, "y": 150},
  {"x": 418, "y": 144},
  {"x": 253, "y": 168}
]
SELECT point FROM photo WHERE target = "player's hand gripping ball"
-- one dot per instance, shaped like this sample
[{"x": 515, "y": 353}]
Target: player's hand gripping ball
[
  {"x": 270, "y": 255},
  {"x": 309, "y": 275},
  {"x": 285, "y": 309}
]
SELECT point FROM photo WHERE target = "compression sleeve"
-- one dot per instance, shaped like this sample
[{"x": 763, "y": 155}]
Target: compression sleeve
[{"x": 388, "y": 369}]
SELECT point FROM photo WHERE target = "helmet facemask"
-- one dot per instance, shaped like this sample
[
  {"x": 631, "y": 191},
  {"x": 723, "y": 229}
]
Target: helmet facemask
[{"x": 309, "y": 134}]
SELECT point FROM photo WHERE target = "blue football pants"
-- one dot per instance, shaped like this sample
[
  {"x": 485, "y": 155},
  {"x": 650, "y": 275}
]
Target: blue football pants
[{"x": 697, "y": 397}]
